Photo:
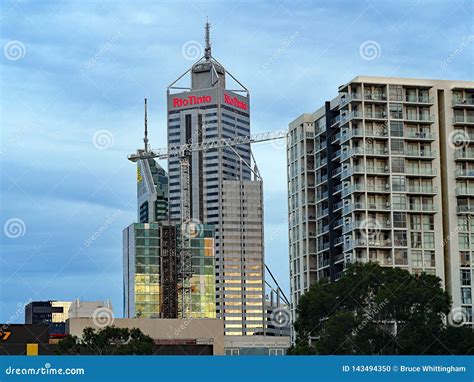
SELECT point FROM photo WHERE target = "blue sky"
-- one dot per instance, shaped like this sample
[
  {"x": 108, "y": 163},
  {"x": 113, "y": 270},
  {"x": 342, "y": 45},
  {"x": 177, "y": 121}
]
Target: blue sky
[{"x": 73, "y": 78}]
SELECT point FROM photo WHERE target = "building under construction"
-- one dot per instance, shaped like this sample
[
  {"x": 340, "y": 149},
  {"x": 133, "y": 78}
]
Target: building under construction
[{"x": 155, "y": 284}]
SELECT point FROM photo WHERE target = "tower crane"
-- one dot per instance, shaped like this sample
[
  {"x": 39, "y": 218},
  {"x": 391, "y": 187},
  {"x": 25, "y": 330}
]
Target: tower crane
[{"x": 183, "y": 152}]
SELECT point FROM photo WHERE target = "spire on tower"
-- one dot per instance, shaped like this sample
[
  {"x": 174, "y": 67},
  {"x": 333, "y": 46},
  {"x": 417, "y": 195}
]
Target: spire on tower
[
  {"x": 145, "y": 139},
  {"x": 207, "y": 51}
]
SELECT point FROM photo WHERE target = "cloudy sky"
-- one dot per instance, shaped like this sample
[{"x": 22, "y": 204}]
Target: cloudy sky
[{"x": 73, "y": 78}]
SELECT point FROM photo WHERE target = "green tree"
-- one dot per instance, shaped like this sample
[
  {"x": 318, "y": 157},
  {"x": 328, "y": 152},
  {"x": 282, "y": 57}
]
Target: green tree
[
  {"x": 108, "y": 341},
  {"x": 377, "y": 310}
]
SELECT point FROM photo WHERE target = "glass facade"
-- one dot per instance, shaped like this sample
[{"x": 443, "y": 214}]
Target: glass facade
[{"x": 143, "y": 274}]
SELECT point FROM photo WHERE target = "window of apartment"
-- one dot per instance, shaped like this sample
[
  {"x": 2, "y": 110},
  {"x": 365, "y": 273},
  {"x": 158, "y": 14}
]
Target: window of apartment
[
  {"x": 428, "y": 223},
  {"x": 398, "y": 182},
  {"x": 416, "y": 258},
  {"x": 398, "y": 165},
  {"x": 275, "y": 352},
  {"x": 400, "y": 238},
  {"x": 232, "y": 352},
  {"x": 395, "y": 93},
  {"x": 465, "y": 277},
  {"x": 416, "y": 240},
  {"x": 463, "y": 241},
  {"x": 401, "y": 257},
  {"x": 398, "y": 202},
  {"x": 396, "y": 111},
  {"x": 466, "y": 296},
  {"x": 465, "y": 259},
  {"x": 429, "y": 258},
  {"x": 397, "y": 146},
  {"x": 399, "y": 219},
  {"x": 396, "y": 129}
]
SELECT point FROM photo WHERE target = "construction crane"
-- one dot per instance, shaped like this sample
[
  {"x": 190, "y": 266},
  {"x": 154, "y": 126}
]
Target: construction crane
[{"x": 184, "y": 152}]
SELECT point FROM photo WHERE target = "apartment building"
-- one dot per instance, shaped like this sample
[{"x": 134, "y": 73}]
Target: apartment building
[{"x": 384, "y": 172}]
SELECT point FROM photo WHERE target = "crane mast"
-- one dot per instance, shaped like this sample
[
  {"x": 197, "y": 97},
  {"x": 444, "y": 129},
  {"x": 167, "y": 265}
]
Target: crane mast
[{"x": 184, "y": 152}]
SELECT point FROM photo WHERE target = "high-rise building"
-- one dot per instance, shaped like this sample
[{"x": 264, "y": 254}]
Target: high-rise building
[
  {"x": 225, "y": 190},
  {"x": 384, "y": 172}
]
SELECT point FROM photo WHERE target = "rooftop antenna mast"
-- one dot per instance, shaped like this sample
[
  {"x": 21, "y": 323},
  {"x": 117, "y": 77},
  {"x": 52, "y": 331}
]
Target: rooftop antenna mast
[
  {"x": 145, "y": 139},
  {"x": 207, "y": 52}
]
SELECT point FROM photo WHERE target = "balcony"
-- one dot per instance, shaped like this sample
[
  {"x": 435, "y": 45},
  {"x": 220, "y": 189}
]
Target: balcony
[
  {"x": 464, "y": 155},
  {"x": 431, "y": 190},
  {"x": 420, "y": 118},
  {"x": 463, "y": 119},
  {"x": 420, "y": 171},
  {"x": 419, "y": 99},
  {"x": 420, "y": 136},
  {"x": 463, "y": 102},
  {"x": 465, "y": 209},
  {"x": 344, "y": 118},
  {"x": 461, "y": 191},
  {"x": 339, "y": 240},
  {"x": 375, "y": 115},
  {"x": 420, "y": 153},
  {"x": 425, "y": 208},
  {"x": 377, "y": 97},
  {"x": 369, "y": 151},
  {"x": 346, "y": 98},
  {"x": 464, "y": 173}
]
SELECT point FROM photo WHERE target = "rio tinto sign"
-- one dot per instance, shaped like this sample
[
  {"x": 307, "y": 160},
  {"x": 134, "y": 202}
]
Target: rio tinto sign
[
  {"x": 234, "y": 101},
  {"x": 191, "y": 100}
]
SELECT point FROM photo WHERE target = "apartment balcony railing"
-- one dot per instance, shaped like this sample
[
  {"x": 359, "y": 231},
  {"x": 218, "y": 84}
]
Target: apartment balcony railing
[
  {"x": 463, "y": 102},
  {"x": 464, "y": 119},
  {"x": 338, "y": 205},
  {"x": 339, "y": 222},
  {"x": 346, "y": 98},
  {"x": 420, "y": 135},
  {"x": 418, "y": 99},
  {"x": 420, "y": 118},
  {"x": 464, "y": 154},
  {"x": 375, "y": 114},
  {"x": 465, "y": 209},
  {"x": 464, "y": 173},
  {"x": 459, "y": 191},
  {"x": 420, "y": 153},
  {"x": 420, "y": 171},
  {"x": 375, "y": 97},
  {"x": 339, "y": 240},
  {"x": 422, "y": 207},
  {"x": 367, "y": 242},
  {"x": 338, "y": 188},
  {"x": 423, "y": 189}
]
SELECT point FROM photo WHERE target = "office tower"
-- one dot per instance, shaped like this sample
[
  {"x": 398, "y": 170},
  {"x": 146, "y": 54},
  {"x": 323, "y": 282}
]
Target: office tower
[
  {"x": 150, "y": 291},
  {"x": 152, "y": 191},
  {"x": 384, "y": 173},
  {"x": 225, "y": 190},
  {"x": 46, "y": 312}
]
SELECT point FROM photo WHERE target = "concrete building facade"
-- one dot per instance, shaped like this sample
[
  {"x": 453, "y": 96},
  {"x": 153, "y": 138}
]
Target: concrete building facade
[{"x": 383, "y": 173}]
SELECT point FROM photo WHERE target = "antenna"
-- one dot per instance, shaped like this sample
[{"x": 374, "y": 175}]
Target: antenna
[
  {"x": 146, "y": 129},
  {"x": 207, "y": 52}
]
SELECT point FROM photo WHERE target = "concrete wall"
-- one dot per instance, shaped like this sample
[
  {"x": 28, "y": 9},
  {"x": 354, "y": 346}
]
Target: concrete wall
[{"x": 204, "y": 331}]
